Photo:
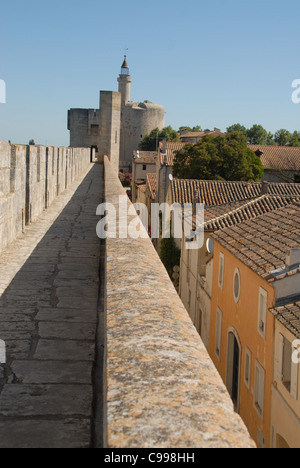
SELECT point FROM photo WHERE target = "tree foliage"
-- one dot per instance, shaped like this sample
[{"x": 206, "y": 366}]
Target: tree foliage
[
  {"x": 196, "y": 128},
  {"x": 169, "y": 254},
  {"x": 257, "y": 135},
  {"x": 150, "y": 142},
  {"x": 219, "y": 158}
]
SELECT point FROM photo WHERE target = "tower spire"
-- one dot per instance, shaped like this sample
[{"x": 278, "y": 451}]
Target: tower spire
[
  {"x": 125, "y": 67},
  {"x": 124, "y": 81}
]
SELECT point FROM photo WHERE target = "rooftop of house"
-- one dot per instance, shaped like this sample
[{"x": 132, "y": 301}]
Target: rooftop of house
[
  {"x": 197, "y": 135},
  {"x": 151, "y": 182},
  {"x": 224, "y": 216},
  {"x": 283, "y": 158},
  {"x": 289, "y": 316},
  {"x": 168, "y": 151},
  {"x": 262, "y": 243},
  {"x": 213, "y": 192},
  {"x": 145, "y": 157}
]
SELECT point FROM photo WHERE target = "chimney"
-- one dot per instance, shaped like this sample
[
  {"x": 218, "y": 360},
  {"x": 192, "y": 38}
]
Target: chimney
[
  {"x": 195, "y": 201},
  {"x": 293, "y": 259},
  {"x": 264, "y": 188}
]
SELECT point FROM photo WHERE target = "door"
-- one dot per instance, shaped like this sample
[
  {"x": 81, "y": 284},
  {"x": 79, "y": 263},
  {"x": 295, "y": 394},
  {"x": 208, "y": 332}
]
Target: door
[
  {"x": 235, "y": 373},
  {"x": 233, "y": 368}
]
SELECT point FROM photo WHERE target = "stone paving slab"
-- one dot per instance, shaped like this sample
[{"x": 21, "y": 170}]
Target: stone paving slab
[
  {"x": 49, "y": 282},
  {"x": 71, "y": 433}
]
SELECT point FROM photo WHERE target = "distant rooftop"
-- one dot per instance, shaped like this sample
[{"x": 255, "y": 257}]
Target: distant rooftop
[{"x": 285, "y": 158}]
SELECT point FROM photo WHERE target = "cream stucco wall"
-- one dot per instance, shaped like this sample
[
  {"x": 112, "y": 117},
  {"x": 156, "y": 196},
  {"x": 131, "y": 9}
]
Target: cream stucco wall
[{"x": 285, "y": 409}]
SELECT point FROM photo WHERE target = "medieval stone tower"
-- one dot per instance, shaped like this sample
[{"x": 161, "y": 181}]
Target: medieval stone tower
[{"x": 117, "y": 128}]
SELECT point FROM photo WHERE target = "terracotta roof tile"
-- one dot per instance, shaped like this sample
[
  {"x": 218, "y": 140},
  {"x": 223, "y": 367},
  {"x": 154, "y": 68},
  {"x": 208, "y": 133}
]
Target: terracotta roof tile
[
  {"x": 214, "y": 193},
  {"x": 151, "y": 181},
  {"x": 263, "y": 242},
  {"x": 284, "y": 158},
  {"x": 146, "y": 157},
  {"x": 289, "y": 316}
]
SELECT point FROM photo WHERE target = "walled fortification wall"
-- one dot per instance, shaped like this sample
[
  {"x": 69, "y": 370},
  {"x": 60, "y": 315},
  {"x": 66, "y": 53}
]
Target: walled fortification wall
[
  {"x": 31, "y": 177},
  {"x": 163, "y": 390}
]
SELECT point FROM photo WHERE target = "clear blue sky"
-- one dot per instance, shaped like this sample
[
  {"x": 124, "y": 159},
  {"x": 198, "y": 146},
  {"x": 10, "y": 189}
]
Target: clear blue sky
[{"x": 212, "y": 63}]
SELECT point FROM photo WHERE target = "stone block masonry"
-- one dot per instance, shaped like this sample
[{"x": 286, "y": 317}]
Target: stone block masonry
[
  {"x": 162, "y": 387},
  {"x": 31, "y": 177}
]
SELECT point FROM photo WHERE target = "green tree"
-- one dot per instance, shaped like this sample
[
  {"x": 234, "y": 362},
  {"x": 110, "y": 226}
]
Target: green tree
[
  {"x": 196, "y": 128},
  {"x": 237, "y": 128},
  {"x": 295, "y": 139},
  {"x": 257, "y": 135},
  {"x": 150, "y": 142},
  {"x": 270, "y": 139},
  {"x": 282, "y": 137},
  {"x": 219, "y": 158},
  {"x": 31, "y": 142}
]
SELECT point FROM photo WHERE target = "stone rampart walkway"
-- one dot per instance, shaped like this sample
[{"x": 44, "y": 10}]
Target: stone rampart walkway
[{"x": 49, "y": 282}]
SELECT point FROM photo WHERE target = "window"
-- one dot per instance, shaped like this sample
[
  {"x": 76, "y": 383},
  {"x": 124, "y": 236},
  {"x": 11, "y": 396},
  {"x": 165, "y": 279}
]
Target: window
[
  {"x": 221, "y": 270},
  {"x": 237, "y": 285},
  {"x": 262, "y": 311},
  {"x": 259, "y": 389},
  {"x": 261, "y": 440},
  {"x": 218, "y": 333},
  {"x": 94, "y": 129},
  {"x": 144, "y": 167},
  {"x": 248, "y": 359},
  {"x": 287, "y": 369}
]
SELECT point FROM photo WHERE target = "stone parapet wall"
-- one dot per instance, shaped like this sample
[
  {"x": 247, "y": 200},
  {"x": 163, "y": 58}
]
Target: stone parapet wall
[
  {"x": 31, "y": 177},
  {"x": 162, "y": 387}
]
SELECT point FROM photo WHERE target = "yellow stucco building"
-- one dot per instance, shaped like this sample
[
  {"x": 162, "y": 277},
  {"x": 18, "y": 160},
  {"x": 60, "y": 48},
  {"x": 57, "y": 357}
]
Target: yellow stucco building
[{"x": 233, "y": 288}]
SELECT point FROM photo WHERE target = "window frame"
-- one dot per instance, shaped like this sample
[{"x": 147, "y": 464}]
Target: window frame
[
  {"x": 259, "y": 389},
  {"x": 221, "y": 270},
  {"x": 237, "y": 274},
  {"x": 247, "y": 373},
  {"x": 262, "y": 315}
]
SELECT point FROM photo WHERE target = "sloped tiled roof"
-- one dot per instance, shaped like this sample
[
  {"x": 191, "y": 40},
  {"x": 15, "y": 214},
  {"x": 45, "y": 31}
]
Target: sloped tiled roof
[
  {"x": 262, "y": 243},
  {"x": 245, "y": 212},
  {"x": 283, "y": 158},
  {"x": 151, "y": 181},
  {"x": 214, "y": 192},
  {"x": 289, "y": 316},
  {"x": 146, "y": 157},
  {"x": 172, "y": 147}
]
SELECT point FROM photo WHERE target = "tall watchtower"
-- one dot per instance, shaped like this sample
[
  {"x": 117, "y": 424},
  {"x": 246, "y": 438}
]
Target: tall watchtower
[{"x": 125, "y": 81}]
